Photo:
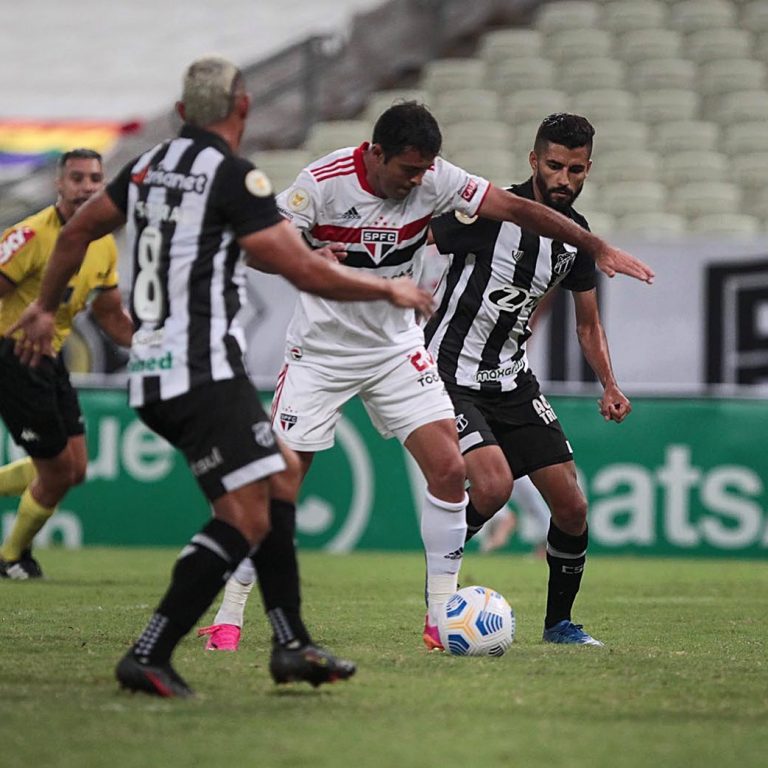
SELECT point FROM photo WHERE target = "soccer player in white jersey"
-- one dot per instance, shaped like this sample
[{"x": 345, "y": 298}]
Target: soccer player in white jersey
[
  {"x": 378, "y": 200},
  {"x": 498, "y": 275}
]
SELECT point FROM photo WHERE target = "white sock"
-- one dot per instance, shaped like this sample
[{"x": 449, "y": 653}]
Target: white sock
[
  {"x": 443, "y": 528},
  {"x": 236, "y": 593}
]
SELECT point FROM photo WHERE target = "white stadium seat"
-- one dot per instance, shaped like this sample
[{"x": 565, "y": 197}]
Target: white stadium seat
[
  {"x": 718, "y": 43},
  {"x": 505, "y": 44},
  {"x": 326, "y": 136},
  {"x": 667, "y": 104},
  {"x": 531, "y": 105},
  {"x": 282, "y": 166},
  {"x": 682, "y": 135},
  {"x": 523, "y": 136},
  {"x": 511, "y": 75},
  {"x": 688, "y": 165},
  {"x": 750, "y": 170},
  {"x": 653, "y": 74},
  {"x": 624, "y": 165},
  {"x": 490, "y": 134},
  {"x": 692, "y": 15},
  {"x": 733, "y": 224},
  {"x": 744, "y": 137},
  {"x": 591, "y": 74},
  {"x": 578, "y": 44},
  {"x": 724, "y": 75},
  {"x": 641, "y": 44},
  {"x": 600, "y": 223},
  {"x": 604, "y": 104},
  {"x": 742, "y": 107},
  {"x": 621, "y": 134},
  {"x": 450, "y": 74},
  {"x": 754, "y": 16},
  {"x": 621, "y": 16},
  {"x": 652, "y": 224},
  {"x": 466, "y": 104},
  {"x": 704, "y": 198},
  {"x": 497, "y": 165},
  {"x": 760, "y": 47},
  {"x": 566, "y": 15},
  {"x": 620, "y": 198}
]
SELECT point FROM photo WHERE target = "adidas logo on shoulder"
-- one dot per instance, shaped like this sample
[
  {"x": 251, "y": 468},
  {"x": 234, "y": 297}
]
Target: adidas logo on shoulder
[{"x": 350, "y": 214}]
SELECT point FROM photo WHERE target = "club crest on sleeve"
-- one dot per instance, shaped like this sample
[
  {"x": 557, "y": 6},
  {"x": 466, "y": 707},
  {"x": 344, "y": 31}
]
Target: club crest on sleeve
[{"x": 258, "y": 184}]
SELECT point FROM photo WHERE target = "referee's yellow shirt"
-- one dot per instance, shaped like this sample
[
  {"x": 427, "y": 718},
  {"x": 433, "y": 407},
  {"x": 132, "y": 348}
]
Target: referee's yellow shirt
[{"x": 24, "y": 252}]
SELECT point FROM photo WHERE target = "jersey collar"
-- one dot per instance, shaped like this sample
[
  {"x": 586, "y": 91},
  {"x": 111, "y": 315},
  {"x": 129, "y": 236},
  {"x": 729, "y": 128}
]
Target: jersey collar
[
  {"x": 200, "y": 134},
  {"x": 360, "y": 168}
]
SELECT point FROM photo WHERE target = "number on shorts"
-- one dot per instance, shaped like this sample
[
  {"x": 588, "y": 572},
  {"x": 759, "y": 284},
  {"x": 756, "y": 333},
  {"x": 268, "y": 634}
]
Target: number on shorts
[{"x": 147, "y": 288}]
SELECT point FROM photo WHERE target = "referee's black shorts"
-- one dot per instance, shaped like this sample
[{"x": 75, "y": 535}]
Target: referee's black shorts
[
  {"x": 39, "y": 405},
  {"x": 523, "y": 424},
  {"x": 222, "y": 430}
]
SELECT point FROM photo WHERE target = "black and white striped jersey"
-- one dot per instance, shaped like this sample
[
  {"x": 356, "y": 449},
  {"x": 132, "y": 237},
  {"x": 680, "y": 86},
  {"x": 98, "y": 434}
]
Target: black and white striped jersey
[
  {"x": 187, "y": 201},
  {"x": 497, "y": 275}
]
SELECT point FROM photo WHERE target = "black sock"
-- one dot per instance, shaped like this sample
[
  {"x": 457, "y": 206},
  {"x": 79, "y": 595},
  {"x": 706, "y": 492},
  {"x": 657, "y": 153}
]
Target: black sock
[
  {"x": 566, "y": 556},
  {"x": 278, "y": 571},
  {"x": 199, "y": 574},
  {"x": 475, "y": 521}
]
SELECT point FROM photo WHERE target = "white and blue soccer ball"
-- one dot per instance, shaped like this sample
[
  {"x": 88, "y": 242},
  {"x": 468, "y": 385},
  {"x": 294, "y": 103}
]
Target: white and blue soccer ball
[{"x": 476, "y": 621}]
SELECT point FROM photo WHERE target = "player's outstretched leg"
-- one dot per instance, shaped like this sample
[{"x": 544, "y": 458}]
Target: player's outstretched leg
[{"x": 295, "y": 657}]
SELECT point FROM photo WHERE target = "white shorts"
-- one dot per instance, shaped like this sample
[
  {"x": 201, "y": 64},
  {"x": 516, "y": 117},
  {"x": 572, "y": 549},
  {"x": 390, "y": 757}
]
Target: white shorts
[{"x": 401, "y": 394}]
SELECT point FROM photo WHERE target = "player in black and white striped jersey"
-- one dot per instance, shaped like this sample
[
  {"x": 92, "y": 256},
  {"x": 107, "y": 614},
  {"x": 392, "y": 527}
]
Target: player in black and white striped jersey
[
  {"x": 195, "y": 210},
  {"x": 498, "y": 274}
]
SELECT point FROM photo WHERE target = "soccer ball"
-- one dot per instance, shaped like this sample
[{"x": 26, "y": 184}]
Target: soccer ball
[{"x": 476, "y": 621}]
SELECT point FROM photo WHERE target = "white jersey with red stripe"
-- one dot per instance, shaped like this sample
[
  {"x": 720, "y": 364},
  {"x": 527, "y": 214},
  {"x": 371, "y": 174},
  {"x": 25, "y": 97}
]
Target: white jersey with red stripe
[{"x": 332, "y": 201}]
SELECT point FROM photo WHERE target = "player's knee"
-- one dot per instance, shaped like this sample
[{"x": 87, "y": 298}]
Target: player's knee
[
  {"x": 285, "y": 485},
  {"x": 488, "y": 498},
  {"x": 571, "y": 518}
]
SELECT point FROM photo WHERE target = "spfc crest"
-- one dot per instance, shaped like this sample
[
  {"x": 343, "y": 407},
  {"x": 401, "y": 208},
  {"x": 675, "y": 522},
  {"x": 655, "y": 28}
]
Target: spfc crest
[{"x": 378, "y": 241}]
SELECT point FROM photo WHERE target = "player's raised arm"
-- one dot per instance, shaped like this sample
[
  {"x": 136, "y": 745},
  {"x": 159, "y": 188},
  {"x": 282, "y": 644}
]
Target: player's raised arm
[{"x": 504, "y": 206}]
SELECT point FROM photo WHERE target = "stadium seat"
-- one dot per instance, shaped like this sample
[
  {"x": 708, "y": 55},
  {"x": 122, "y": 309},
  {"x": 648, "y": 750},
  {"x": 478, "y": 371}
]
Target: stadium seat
[
  {"x": 704, "y": 198},
  {"x": 667, "y": 104},
  {"x": 692, "y": 15},
  {"x": 497, "y": 165},
  {"x": 621, "y": 16},
  {"x": 603, "y": 104},
  {"x": 578, "y": 44},
  {"x": 531, "y": 105},
  {"x": 718, "y": 43},
  {"x": 641, "y": 44},
  {"x": 621, "y": 134},
  {"x": 565, "y": 15},
  {"x": 621, "y": 198},
  {"x": 591, "y": 74},
  {"x": 754, "y": 16},
  {"x": 282, "y": 165},
  {"x": 689, "y": 165},
  {"x": 489, "y": 134},
  {"x": 732, "y": 224},
  {"x": 652, "y": 224},
  {"x": 466, "y": 104},
  {"x": 744, "y": 137},
  {"x": 326, "y": 136},
  {"x": 503, "y": 44},
  {"x": 513, "y": 74},
  {"x": 750, "y": 170},
  {"x": 624, "y": 165},
  {"x": 653, "y": 74},
  {"x": 523, "y": 136},
  {"x": 600, "y": 223},
  {"x": 379, "y": 101},
  {"x": 760, "y": 47},
  {"x": 742, "y": 106},
  {"x": 443, "y": 75},
  {"x": 718, "y": 78},
  {"x": 683, "y": 135}
]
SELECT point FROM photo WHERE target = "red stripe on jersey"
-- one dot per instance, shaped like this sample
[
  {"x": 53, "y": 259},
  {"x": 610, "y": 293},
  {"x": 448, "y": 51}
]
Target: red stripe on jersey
[
  {"x": 331, "y": 234},
  {"x": 347, "y": 159},
  {"x": 333, "y": 174}
]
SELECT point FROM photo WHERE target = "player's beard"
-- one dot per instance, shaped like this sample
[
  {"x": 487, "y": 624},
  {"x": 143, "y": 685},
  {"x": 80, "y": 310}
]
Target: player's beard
[{"x": 561, "y": 204}]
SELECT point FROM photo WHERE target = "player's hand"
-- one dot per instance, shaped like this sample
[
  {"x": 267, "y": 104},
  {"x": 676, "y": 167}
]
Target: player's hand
[
  {"x": 36, "y": 340},
  {"x": 333, "y": 252},
  {"x": 613, "y": 261},
  {"x": 406, "y": 294},
  {"x": 614, "y": 405}
]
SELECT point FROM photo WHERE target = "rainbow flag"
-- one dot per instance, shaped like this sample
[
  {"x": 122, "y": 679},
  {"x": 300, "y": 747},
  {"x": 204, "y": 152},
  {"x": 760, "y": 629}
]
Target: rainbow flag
[{"x": 28, "y": 144}]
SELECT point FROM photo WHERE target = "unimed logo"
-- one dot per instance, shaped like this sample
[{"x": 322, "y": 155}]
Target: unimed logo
[{"x": 737, "y": 323}]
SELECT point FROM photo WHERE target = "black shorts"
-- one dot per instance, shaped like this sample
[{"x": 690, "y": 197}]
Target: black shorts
[
  {"x": 223, "y": 432},
  {"x": 39, "y": 405},
  {"x": 522, "y": 423}
]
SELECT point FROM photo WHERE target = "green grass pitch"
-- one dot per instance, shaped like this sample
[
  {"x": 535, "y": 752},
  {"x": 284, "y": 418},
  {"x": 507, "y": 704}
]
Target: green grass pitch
[{"x": 683, "y": 680}]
